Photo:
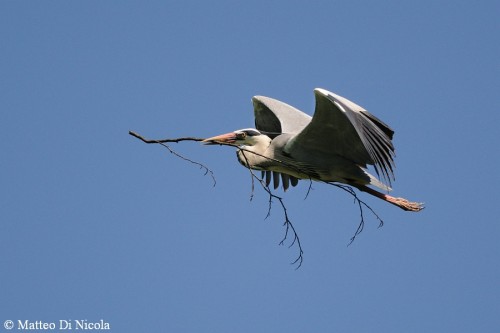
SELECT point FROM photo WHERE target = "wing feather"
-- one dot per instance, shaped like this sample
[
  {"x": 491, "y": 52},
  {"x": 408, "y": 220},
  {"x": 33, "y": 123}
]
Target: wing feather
[
  {"x": 342, "y": 128},
  {"x": 273, "y": 117}
]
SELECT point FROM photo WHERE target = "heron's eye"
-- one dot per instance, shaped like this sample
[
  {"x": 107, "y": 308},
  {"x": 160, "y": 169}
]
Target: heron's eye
[{"x": 241, "y": 135}]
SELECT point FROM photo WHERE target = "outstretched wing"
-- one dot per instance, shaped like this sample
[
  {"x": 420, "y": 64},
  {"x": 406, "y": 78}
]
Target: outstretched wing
[
  {"x": 342, "y": 128},
  {"x": 273, "y": 117}
]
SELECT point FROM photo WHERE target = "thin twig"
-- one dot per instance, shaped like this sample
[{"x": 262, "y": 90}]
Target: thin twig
[
  {"x": 346, "y": 188},
  {"x": 162, "y": 142},
  {"x": 140, "y": 137},
  {"x": 288, "y": 223},
  {"x": 361, "y": 204}
]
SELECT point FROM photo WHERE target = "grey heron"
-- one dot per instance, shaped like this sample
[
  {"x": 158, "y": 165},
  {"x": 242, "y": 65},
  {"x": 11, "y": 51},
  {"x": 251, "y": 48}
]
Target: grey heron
[{"x": 335, "y": 145}]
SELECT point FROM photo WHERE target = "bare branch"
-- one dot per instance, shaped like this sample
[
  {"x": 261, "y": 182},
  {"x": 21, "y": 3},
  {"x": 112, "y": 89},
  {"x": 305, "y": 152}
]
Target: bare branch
[
  {"x": 162, "y": 142},
  {"x": 309, "y": 188},
  {"x": 140, "y": 137},
  {"x": 361, "y": 204},
  {"x": 289, "y": 227},
  {"x": 346, "y": 188},
  {"x": 288, "y": 223}
]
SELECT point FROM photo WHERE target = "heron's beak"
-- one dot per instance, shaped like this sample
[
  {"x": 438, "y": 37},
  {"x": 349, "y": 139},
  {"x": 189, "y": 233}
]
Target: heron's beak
[{"x": 228, "y": 138}]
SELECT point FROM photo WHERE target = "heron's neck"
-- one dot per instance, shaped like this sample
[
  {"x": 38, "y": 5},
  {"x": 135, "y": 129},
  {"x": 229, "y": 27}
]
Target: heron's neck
[{"x": 256, "y": 154}]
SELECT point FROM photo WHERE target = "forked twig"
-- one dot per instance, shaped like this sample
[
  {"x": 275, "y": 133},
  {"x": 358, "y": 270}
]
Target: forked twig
[
  {"x": 288, "y": 223},
  {"x": 346, "y": 188},
  {"x": 140, "y": 137},
  {"x": 361, "y": 204},
  {"x": 176, "y": 140}
]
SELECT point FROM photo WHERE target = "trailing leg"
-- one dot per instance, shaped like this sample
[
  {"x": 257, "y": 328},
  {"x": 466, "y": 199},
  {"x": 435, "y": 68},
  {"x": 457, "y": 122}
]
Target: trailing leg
[{"x": 400, "y": 202}]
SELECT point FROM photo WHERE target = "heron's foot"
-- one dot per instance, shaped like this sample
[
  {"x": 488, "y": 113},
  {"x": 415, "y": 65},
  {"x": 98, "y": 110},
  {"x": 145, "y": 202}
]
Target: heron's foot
[{"x": 406, "y": 204}]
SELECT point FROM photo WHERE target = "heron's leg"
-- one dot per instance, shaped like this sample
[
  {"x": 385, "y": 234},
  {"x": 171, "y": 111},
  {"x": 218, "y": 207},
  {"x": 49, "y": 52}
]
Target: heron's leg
[{"x": 400, "y": 202}]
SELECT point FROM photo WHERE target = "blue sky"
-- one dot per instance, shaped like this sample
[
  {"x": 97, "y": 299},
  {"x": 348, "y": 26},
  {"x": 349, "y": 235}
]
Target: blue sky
[{"x": 97, "y": 225}]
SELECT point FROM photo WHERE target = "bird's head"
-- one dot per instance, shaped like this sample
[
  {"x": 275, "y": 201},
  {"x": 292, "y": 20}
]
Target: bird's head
[{"x": 243, "y": 137}]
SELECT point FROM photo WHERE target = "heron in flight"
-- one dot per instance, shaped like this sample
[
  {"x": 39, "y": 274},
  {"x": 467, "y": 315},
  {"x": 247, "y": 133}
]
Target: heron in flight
[{"x": 335, "y": 145}]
